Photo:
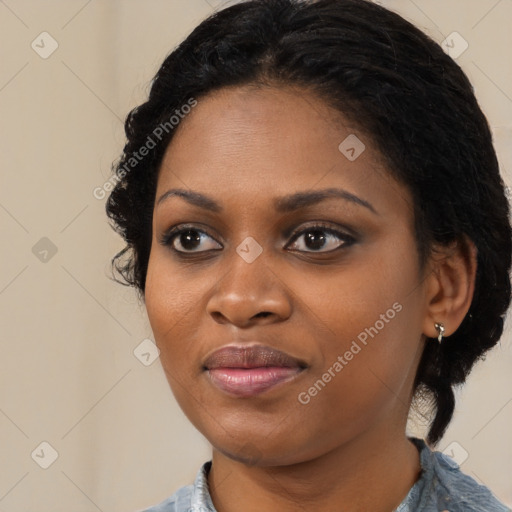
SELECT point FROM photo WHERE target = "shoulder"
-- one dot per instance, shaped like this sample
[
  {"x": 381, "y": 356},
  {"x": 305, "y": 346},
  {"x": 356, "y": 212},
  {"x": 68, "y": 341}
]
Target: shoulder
[
  {"x": 180, "y": 501},
  {"x": 452, "y": 490},
  {"x": 191, "y": 498}
]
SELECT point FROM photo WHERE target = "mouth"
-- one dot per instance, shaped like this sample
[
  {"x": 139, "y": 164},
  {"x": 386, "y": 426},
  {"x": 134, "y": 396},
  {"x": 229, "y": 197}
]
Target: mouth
[{"x": 246, "y": 371}]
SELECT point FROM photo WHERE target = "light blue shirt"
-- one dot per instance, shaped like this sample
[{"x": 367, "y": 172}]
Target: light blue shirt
[{"x": 441, "y": 487}]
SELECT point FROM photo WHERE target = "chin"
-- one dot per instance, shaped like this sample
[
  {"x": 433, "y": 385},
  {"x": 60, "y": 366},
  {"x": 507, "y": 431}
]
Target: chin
[{"x": 255, "y": 449}]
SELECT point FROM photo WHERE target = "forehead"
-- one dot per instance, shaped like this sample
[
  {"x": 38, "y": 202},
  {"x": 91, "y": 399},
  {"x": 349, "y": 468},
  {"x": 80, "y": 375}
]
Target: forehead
[{"x": 261, "y": 142}]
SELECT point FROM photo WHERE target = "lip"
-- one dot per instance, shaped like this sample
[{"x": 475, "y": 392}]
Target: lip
[{"x": 250, "y": 370}]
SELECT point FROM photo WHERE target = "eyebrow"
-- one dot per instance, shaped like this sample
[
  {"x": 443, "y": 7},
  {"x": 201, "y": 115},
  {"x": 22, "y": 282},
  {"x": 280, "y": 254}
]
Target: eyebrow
[{"x": 283, "y": 204}]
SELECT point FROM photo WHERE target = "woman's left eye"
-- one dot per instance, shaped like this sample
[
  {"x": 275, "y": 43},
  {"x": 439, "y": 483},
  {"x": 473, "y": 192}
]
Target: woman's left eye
[{"x": 318, "y": 238}]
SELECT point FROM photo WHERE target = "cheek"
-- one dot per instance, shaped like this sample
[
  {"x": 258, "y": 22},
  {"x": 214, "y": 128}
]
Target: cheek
[
  {"x": 373, "y": 315},
  {"x": 175, "y": 304},
  {"x": 365, "y": 376},
  {"x": 170, "y": 306},
  {"x": 169, "y": 298},
  {"x": 375, "y": 291}
]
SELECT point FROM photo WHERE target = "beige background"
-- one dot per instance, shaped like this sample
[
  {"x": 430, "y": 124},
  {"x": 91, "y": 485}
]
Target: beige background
[{"x": 69, "y": 376}]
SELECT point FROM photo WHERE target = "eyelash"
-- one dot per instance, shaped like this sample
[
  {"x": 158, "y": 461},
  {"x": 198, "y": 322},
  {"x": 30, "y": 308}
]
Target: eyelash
[{"x": 168, "y": 238}]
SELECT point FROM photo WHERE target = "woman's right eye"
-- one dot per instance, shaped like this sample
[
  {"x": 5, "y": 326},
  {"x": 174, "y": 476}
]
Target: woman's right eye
[{"x": 189, "y": 240}]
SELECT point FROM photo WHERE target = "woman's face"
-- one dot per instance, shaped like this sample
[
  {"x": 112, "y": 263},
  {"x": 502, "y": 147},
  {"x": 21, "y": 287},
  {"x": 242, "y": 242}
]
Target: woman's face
[{"x": 273, "y": 264}]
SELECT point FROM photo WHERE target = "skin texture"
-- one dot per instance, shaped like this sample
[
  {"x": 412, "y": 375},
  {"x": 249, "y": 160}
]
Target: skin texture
[{"x": 243, "y": 147}]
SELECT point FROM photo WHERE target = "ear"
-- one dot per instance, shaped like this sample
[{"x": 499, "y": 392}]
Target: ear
[{"x": 450, "y": 286}]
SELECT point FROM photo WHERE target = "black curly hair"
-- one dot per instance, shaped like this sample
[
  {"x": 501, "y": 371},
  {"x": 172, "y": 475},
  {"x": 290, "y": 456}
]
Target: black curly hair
[{"x": 396, "y": 84}]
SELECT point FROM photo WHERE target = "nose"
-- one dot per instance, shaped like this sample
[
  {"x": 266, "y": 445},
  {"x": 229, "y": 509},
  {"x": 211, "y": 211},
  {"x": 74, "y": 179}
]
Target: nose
[{"x": 249, "y": 293}]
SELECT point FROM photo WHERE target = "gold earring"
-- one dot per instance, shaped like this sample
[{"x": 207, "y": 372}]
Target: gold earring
[{"x": 440, "y": 330}]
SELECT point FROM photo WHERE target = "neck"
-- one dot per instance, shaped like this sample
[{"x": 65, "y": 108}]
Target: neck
[{"x": 373, "y": 471}]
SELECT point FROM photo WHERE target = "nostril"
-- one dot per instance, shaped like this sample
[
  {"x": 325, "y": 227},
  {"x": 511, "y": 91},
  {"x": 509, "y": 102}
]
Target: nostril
[{"x": 264, "y": 314}]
